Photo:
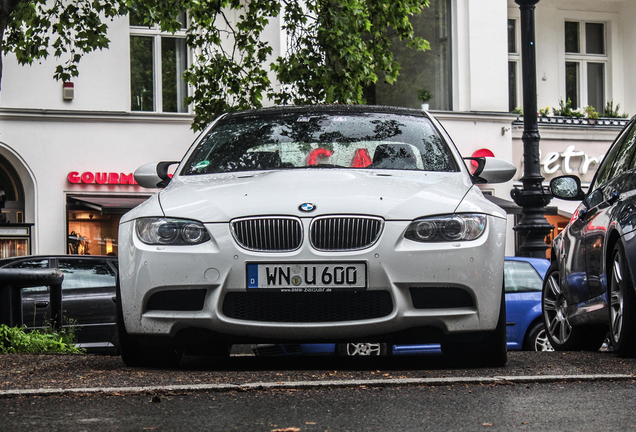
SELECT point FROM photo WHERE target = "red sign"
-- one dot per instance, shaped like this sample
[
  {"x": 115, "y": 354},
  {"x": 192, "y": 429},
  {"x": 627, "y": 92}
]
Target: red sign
[{"x": 101, "y": 178}]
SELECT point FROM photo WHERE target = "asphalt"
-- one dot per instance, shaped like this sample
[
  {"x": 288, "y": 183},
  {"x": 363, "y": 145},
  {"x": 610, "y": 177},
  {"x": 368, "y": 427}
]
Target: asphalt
[{"x": 49, "y": 375}]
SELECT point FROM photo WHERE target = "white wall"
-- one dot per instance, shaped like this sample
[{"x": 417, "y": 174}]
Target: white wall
[
  {"x": 480, "y": 56},
  {"x": 103, "y": 83}
]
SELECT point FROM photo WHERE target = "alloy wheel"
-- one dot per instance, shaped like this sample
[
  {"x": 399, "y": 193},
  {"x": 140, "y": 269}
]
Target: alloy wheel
[
  {"x": 616, "y": 300},
  {"x": 542, "y": 343},
  {"x": 554, "y": 310},
  {"x": 365, "y": 349}
]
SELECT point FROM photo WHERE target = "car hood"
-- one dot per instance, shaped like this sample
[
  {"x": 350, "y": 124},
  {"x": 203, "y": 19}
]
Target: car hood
[{"x": 393, "y": 195}]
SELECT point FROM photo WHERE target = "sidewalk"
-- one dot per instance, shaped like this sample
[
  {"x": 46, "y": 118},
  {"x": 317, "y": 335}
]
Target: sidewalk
[{"x": 54, "y": 374}]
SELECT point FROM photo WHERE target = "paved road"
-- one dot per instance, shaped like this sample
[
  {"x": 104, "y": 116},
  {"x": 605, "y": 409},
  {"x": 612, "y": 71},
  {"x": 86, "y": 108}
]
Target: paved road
[{"x": 589, "y": 406}]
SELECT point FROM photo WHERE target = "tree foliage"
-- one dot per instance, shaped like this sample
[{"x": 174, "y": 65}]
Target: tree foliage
[
  {"x": 334, "y": 48},
  {"x": 69, "y": 29}
]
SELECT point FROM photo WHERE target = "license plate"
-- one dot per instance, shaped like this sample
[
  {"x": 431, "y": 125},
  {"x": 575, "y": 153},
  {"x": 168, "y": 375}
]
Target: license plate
[{"x": 322, "y": 277}]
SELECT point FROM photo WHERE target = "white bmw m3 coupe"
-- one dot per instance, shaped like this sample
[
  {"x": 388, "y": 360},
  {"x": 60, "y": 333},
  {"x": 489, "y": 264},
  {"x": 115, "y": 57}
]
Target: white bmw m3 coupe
[{"x": 309, "y": 224}]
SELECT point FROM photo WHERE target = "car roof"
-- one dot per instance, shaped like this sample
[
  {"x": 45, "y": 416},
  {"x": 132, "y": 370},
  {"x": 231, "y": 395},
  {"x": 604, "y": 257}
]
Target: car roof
[
  {"x": 328, "y": 109},
  {"x": 5, "y": 261}
]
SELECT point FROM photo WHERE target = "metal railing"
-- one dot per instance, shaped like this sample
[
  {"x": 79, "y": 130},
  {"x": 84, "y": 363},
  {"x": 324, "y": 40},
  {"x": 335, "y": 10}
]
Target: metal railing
[{"x": 11, "y": 283}]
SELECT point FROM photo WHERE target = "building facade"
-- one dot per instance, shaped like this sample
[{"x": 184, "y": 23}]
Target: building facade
[{"x": 68, "y": 151}]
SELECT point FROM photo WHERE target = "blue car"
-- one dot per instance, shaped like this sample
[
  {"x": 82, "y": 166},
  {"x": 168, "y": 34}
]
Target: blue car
[{"x": 523, "y": 279}]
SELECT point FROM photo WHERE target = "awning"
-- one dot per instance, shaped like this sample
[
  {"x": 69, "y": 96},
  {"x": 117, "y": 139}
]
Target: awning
[
  {"x": 109, "y": 204},
  {"x": 566, "y": 208},
  {"x": 511, "y": 207}
]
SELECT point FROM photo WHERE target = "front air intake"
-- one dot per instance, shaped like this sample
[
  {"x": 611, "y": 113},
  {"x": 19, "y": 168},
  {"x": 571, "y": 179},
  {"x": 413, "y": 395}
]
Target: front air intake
[{"x": 286, "y": 307}]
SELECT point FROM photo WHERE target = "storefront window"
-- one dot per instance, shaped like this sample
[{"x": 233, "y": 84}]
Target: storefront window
[
  {"x": 91, "y": 233},
  {"x": 559, "y": 223},
  {"x": 13, "y": 247},
  {"x": 429, "y": 70},
  {"x": 93, "y": 221}
]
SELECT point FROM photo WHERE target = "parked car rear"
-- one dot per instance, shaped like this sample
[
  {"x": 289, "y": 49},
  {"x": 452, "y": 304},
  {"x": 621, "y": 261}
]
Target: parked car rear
[{"x": 88, "y": 292}]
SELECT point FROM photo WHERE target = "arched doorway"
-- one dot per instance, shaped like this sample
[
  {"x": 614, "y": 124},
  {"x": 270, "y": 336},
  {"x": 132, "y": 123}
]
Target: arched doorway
[
  {"x": 15, "y": 234},
  {"x": 10, "y": 184}
]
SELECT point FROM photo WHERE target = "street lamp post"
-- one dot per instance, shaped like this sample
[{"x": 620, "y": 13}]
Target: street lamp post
[{"x": 532, "y": 197}]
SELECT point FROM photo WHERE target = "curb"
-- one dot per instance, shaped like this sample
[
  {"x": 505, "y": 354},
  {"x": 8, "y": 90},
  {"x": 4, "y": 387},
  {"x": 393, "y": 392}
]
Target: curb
[{"x": 183, "y": 389}]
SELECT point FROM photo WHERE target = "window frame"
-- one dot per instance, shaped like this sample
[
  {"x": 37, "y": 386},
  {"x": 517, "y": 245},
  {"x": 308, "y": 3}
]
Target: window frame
[
  {"x": 515, "y": 58},
  {"x": 583, "y": 59},
  {"x": 157, "y": 34},
  {"x": 73, "y": 261}
]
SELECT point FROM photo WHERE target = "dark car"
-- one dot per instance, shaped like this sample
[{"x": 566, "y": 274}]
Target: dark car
[
  {"x": 88, "y": 292},
  {"x": 588, "y": 288}
]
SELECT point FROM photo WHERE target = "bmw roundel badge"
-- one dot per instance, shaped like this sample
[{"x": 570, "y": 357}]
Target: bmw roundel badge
[{"x": 307, "y": 207}]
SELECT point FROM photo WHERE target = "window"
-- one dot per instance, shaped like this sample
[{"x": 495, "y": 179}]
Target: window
[
  {"x": 31, "y": 264},
  {"x": 86, "y": 273},
  {"x": 586, "y": 62},
  {"x": 520, "y": 276},
  {"x": 625, "y": 154},
  {"x": 430, "y": 70},
  {"x": 605, "y": 169},
  {"x": 514, "y": 65},
  {"x": 157, "y": 63},
  {"x": 91, "y": 230}
]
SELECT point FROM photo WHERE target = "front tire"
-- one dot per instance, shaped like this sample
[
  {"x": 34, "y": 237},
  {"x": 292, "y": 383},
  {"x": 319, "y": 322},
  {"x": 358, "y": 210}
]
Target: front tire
[
  {"x": 134, "y": 352},
  {"x": 537, "y": 339},
  {"x": 488, "y": 351},
  {"x": 622, "y": 305},
  {"x": 561, "y": 334}
]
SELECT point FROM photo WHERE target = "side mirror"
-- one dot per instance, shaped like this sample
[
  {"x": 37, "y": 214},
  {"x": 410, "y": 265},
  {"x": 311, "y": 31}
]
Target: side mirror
[
  {"x": 154, "y": 175},
  {"x": 491, "y": 170},
  {"x": 567, "y": 187}
]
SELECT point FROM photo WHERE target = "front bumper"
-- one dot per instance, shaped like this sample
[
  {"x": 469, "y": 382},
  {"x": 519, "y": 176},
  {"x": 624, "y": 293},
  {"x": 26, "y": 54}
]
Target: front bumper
[{"x": 397, "y": 268}]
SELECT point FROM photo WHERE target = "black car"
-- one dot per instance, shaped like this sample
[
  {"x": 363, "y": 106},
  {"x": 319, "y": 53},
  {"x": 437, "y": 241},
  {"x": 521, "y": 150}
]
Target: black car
[
  {"x": 88, "y": 296},
  {"x": 588, "y": 289}
]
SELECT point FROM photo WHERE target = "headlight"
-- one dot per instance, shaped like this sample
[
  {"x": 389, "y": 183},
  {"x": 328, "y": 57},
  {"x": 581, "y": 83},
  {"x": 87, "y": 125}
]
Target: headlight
[
  {"x": 458, "y": 227},
  {"x": 166, "y": 231}
]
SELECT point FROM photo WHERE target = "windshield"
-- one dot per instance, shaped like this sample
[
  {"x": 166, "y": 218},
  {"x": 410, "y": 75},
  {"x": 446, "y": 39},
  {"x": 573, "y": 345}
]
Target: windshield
[{"x": 321, "y": 140}]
